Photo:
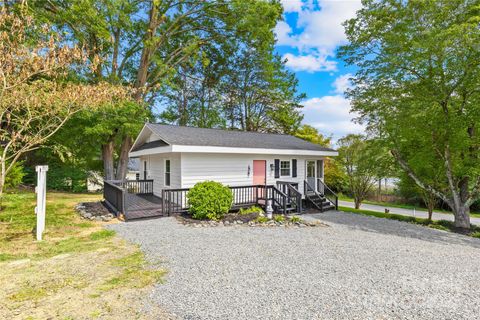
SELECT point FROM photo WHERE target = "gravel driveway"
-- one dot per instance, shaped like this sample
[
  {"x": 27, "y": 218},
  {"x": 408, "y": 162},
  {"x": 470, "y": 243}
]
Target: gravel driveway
[{"x": 357, "y": 268}]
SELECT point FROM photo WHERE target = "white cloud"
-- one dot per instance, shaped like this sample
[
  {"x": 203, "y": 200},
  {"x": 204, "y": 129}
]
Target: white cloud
[
  {"x": 321, "y": 27},
  {"x": 292, "y": 5},
  {"x": 342, "y": 83},
  {"x": 283, "y": 34},
  {"x": 331, "y": 115},
  {"x": 309, "y": 63}
]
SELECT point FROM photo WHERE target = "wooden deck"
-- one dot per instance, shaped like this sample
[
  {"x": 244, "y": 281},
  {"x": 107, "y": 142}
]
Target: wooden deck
[{"x": 142, "y": 206}]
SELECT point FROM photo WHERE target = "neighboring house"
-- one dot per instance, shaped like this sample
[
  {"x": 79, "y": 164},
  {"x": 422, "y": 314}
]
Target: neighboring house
[
  {"x": 177, "y": 157},
  {"x": 95, "y": 178}
]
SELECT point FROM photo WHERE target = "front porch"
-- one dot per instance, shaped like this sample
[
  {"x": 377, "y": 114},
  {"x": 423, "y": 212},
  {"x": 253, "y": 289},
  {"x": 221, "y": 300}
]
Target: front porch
[{"x": 134, "y": 199}]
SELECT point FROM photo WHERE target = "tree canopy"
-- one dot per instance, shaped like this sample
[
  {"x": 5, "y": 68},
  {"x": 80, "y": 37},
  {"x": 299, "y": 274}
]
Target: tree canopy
[{"x": 417, "y": 89}]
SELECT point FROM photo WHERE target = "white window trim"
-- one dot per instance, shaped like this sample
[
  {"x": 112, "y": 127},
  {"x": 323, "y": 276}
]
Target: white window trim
[
  {"x": 289, "y": 169},
  {"x": 165, "y": 173}
]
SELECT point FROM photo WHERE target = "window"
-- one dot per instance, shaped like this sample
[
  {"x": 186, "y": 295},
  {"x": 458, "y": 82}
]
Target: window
[
  {"x": 167, "y": 173},
  {"x": 284, "y": 168}
]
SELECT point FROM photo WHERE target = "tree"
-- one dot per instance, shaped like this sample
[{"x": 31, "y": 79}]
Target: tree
[
  {"x": 416, "y": 88},
  {"x": 239, "y": 83},
  {"x": 144, "y": 43},
  {"x": 78, "y": 140},
  {"x": 35, "y": 97},
  {"x": 356, "y": 159},
  {"x": 309, "y": 133}
]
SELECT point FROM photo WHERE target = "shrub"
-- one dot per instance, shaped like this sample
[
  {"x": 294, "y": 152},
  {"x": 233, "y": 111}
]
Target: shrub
[
  {"x": 252, "y": 209},
  {"x": 279, "y": 218},
  {"x": 209, "y": 200},
  {"x": 15, "y": 176}
]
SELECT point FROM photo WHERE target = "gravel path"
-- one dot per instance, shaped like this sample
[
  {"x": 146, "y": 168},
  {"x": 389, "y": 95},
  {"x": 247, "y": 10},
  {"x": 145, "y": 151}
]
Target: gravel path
[
  {"x": 357, "y": 268},
  {"x": 406, "y": 212}
]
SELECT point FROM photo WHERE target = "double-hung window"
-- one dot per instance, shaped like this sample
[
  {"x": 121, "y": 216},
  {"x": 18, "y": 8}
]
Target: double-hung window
[
  {"x": 167, "y": 172},
  {"x": 284, "y": 168}
]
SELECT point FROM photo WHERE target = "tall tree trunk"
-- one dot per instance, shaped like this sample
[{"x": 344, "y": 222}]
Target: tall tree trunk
[
  {"x": 107, "y": 157},
  {"x": 122, "y": 166},
  {"x": 3, "y": 177},
  {"x": 357, "y": 203},
  {"x": 462, "y": 216}
]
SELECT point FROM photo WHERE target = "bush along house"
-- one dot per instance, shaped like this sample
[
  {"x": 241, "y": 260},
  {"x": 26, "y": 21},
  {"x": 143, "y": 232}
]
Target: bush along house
[{"x": 257, "y": 167}]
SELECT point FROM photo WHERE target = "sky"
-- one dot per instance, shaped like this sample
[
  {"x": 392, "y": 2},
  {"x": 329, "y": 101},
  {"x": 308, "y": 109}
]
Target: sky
[{"x": 308, "y": 38}]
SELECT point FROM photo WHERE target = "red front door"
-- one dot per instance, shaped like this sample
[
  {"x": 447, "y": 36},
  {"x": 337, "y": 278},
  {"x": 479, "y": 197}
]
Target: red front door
[
  {"x": 260, "y": 175},
  {"x": 259, "y": 172}
]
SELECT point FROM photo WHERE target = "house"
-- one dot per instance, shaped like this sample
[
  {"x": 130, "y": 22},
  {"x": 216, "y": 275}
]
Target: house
[{"x": 174, "y": 158}]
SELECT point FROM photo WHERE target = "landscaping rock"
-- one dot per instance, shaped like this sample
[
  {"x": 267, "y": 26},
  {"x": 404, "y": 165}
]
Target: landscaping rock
[{"x": 94, "y": 211}]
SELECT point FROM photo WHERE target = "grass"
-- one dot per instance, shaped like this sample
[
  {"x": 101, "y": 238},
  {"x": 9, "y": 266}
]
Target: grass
[
  {"x": 400, "y": 205},
  {"x": 439, "y": 224},
  {"x": 79, "y": 269},
  {"x": 134, "y": 273}
]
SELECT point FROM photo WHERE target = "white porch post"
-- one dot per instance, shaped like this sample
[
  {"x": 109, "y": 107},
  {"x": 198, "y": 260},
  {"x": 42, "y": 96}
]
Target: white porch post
[{"x": 41, "y": 191}]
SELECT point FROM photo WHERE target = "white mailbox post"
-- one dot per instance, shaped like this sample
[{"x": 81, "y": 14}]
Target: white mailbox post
[{"x": 41, "y": 191}]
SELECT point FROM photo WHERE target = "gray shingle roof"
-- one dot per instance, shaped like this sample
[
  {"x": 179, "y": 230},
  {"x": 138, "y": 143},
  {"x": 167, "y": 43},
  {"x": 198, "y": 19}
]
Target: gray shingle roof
[
  {"x": 152, "y": 144},
  {"x": 229, "y": 138}
]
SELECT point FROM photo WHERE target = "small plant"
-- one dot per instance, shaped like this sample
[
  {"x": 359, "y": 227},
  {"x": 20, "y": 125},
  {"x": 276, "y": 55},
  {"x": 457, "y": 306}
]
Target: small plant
[
  {"x": 261, "y": 219},
  {"x": 475, "y": 234},
  {"x": 279, "y": 218},
  {"x": 252, "y": 209},
  {"x": 209, "y": 200},
  {"x": 295, "y": 219}
]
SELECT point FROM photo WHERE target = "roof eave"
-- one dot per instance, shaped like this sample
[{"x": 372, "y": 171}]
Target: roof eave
[{"x": 234, "y": 150}]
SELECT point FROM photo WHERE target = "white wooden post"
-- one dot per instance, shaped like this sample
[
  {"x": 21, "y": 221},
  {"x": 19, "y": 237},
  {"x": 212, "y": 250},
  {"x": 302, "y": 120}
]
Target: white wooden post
[{"x": 41, "y": 191}]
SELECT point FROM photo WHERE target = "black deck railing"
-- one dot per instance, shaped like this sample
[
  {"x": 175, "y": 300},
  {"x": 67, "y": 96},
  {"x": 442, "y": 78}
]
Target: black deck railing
[
  {"x": 137, "y": 186},
  {"x": 284, "y": 195},
  {"x": 115, "y": 193},
  {"x": 175, "y": 200},
  {"x": 294, "y": 196},
  {"x": 114, "y": 196},
  {"x": 328, "y": 193}
]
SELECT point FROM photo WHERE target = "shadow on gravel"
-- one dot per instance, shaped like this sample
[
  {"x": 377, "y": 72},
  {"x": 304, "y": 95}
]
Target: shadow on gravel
[{"x": 393, "y": 227}]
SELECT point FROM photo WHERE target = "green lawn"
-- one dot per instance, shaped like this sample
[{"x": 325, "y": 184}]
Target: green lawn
[
  {"x": 400, "y": 205},
  {"x": 440, "y": 224},
  {"x": 79, "y": 271}
]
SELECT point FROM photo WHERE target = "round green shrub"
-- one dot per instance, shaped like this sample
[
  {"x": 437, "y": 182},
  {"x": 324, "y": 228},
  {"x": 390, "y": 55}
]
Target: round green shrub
[{"x": 209, "y": 200}]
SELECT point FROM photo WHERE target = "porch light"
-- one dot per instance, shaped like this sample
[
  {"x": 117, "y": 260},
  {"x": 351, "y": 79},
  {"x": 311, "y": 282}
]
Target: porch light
[
  {"x": 248, "y": 171},
  {"x": 272, "y": 167}
]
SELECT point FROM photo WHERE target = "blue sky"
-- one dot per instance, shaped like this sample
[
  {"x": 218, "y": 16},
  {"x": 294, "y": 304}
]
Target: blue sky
[{"x": 308, "y": 38}]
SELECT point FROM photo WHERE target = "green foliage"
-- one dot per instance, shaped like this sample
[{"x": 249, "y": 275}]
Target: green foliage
[
  {"x": 62, "y": 177},
  {"x": 416, "y": 90},
  {"x": 209, "y": 200},
  {"x": 252, "y": 209},
  {"x": 356, "y": 158},
  {"x": 244, "y": 84},
  {"x": 15, "y": 177},
  {"x": 279, "y": 218},
  {"x": 261, "y": 219},
  {"x": 309, "y": 133},
  {"x": 335, "y": 175},
  {"x": 295, "y": 219}
]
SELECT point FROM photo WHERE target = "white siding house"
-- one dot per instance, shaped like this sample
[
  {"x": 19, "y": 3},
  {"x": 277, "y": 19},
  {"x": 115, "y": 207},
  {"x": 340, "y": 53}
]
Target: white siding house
[{"x": 179, "y": 157}]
